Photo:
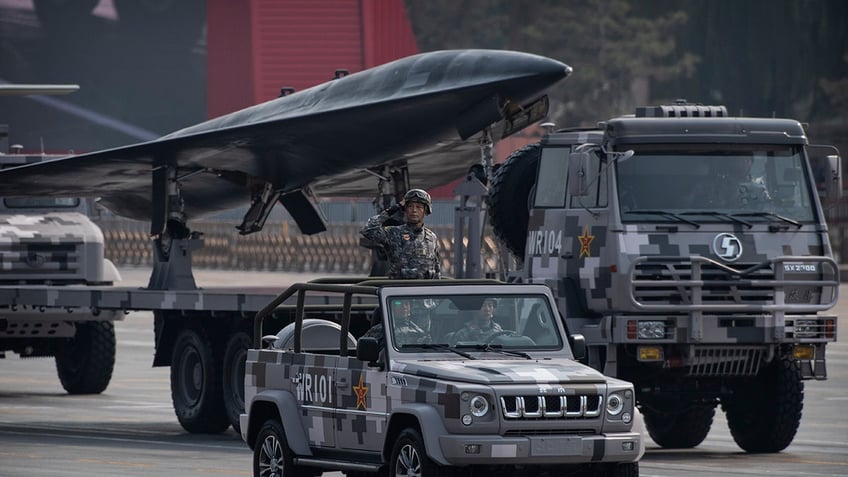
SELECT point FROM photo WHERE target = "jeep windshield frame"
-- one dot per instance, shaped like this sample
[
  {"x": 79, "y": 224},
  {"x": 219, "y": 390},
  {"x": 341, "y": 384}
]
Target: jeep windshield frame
[
  {"x": 715, "y": 183},
  {"x": 449, "y": 318}
]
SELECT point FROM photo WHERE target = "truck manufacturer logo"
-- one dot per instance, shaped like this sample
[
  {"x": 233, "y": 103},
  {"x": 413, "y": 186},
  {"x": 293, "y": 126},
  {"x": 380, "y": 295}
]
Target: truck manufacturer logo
[
  {"x": 727, "y": 247},
  {"x": 35, "y": 260}
]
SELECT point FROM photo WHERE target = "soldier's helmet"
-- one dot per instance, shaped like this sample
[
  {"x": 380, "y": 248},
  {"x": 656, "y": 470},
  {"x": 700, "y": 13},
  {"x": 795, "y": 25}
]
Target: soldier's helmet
[{"x": 421, "y": 196}]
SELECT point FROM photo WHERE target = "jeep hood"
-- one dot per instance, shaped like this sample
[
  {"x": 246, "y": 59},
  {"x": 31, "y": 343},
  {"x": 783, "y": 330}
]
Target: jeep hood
[{"x": 503, "y": 371}]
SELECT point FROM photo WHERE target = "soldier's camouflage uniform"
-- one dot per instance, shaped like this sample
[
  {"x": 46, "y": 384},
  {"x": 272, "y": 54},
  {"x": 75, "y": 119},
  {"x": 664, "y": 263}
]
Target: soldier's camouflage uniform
[
  {"x": 406, "y": 332},
  {"x": 413, "y": 251},
  {"x": 472, "y": 331}
]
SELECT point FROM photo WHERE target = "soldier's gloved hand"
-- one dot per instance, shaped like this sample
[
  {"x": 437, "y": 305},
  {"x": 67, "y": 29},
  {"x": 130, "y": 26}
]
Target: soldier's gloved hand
[{"x": 395, "y": 208}]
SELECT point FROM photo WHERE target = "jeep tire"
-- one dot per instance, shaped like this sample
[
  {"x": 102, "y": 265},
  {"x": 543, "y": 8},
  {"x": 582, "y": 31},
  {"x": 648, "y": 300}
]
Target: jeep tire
[
  {"x": 85, "y": 362},
  {"x": 196, "y": 383},
  {"x": 409, "y": 457},
  {"x": 272, "y": 456},
  {"x": 763, "y": 414}
]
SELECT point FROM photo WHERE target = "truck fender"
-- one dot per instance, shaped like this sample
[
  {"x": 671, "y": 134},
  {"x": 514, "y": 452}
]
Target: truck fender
[
  {"x": 431, "y": 424},
  {"x": 287, "y": 406},
  {"x": 110, "y": 272}
]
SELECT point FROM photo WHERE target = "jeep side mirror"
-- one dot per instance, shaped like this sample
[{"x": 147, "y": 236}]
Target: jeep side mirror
[
  {"x": 578, "y": 347},
  {"x": 578, "y": 169},
  {"x": 368, "y": 350}
]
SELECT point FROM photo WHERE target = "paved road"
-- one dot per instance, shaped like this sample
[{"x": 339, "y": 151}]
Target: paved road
[{"x": 131, "y": 429}]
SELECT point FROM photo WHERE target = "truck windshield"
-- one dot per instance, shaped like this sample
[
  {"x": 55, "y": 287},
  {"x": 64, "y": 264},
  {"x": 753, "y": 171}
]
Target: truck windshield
[
  {"x": 715, "y": 183},
  {"x": 473, "y": 322},
  {"x": 41, "y": 203}
]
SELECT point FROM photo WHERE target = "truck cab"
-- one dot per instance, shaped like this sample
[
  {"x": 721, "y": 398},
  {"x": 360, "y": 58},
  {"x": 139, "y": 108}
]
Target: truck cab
[{"x": 690, "y": 248}]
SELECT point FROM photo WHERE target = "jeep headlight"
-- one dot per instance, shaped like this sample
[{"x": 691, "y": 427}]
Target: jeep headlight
[
  {"x": 479, "y": 406},
  {"x": 619, "y": 405}
]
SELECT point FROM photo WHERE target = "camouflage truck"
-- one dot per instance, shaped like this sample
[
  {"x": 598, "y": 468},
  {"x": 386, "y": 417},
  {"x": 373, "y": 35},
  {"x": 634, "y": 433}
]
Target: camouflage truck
[
  {"x": 691, "y": 250},
  {"x": 412, "y": 399},
  {"x": 52, "y": 242}
]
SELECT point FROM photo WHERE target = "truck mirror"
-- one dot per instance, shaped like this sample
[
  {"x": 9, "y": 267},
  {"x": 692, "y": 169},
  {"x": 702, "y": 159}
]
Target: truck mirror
[
  {"x": 578, "y": 346},
  {"x": 578, "y": 169},
  {"x": 827, "y": 173}
]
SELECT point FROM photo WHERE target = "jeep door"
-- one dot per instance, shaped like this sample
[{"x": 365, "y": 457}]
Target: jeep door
[
  {"x": 312, "y": 376},
  {"x": 361, "y": 405}
]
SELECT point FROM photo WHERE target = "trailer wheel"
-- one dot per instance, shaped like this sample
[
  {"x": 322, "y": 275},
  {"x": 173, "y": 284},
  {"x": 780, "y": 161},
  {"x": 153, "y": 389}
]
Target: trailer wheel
[
  {"x": 509, "y": 197},
  {"x": 681, "y": 428},
  {"x": 235, "y": 356},
  {"x": 763, "y": 414},
  {"x": 196, "y": 383},
  {"x": 85, "y": 362}
]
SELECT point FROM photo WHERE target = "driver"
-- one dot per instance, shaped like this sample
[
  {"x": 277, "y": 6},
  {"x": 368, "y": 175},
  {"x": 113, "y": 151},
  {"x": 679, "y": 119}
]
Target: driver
[{"x": 482, "y": 327}]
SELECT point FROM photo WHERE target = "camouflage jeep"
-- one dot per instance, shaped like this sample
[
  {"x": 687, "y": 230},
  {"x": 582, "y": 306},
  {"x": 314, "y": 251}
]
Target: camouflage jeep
[{"x": 453, "y": 375}]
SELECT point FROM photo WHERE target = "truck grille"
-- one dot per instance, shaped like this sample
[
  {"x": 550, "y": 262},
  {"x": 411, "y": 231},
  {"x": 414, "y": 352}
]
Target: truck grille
[
  {"x": 551, "y": 407},
  {"x": 726, "y": 361},
  {"x": 34, "y": 262},
  {"x": 675, "y": 283}
]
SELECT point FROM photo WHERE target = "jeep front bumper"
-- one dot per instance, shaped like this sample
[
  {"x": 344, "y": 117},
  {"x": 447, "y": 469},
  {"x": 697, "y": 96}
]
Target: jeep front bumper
[{"x": 548, "y": 449}]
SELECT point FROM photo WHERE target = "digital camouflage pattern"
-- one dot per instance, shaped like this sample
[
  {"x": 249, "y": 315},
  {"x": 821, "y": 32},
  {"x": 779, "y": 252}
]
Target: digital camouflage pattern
[
  {"x": 413, "y": 252},
  {"x": 728, "y": 283},
  {"x": 547, "y": 409}
]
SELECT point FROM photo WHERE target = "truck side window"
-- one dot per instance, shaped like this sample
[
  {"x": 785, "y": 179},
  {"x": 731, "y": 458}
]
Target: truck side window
[
  {"x": 553, "y": 172},
  {"x": 596, "y": 196}
]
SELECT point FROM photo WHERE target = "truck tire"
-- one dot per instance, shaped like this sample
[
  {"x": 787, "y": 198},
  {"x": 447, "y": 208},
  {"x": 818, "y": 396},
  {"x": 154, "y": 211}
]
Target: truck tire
[
  {"x": 509, "y": 197},
  {"x": 409, "y": 457},
  {"x": 272, "y": 455},
  {"x": 196, "y": 389},
  {"x": 763, "y": 414},
  {"x": 85, "y": 362},
  {"x": 235, "y": 356},
  {"x": 681, "y": 428}
]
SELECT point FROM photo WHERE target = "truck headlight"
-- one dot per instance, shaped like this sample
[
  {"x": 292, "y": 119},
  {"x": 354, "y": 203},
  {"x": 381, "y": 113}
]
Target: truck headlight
[
  {"x": 806, "y": 328},
  {"x": 650, "y": 330}
]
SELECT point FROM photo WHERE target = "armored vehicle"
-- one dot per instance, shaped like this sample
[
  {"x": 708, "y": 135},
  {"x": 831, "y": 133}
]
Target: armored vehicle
[
  {"x": 454, "y": 375},
  {"x": 690, "y": 248}
]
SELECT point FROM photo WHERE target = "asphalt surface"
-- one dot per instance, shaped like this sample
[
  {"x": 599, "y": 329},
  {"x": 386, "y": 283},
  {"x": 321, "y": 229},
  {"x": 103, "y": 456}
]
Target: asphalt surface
[{"x": 131, "y": 430}]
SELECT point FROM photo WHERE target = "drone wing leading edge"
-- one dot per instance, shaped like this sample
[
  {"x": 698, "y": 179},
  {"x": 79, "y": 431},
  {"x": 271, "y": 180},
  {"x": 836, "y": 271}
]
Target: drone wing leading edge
[{"x": 418, "y": 110}]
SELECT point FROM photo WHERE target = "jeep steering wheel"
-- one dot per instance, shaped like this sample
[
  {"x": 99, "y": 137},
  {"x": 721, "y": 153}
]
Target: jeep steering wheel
[{"x": 500, "y": 333}]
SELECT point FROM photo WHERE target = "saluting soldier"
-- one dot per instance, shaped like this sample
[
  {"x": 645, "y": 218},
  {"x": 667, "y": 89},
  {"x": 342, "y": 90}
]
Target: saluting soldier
[{"x": 412, "y": 248}]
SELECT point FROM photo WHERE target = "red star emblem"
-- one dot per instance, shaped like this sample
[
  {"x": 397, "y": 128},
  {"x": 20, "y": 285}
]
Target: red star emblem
[
  {"x": 361, "y": 391},
  {"x": 406, "y": 236},
  {"x": 585, "y": 242}
]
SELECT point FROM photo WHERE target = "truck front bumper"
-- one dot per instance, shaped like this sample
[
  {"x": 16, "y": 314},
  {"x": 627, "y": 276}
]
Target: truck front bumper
[{"x": 549, "y": 449}]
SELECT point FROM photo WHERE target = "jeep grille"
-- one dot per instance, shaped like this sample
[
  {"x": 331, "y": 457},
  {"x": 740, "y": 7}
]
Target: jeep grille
[{"x": 551, "y": 407}]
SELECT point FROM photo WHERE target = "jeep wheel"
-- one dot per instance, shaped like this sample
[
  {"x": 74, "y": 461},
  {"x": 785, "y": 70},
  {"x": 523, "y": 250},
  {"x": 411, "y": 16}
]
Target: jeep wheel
[
  {"x": 196, "y": 384},
  {"x": 85, "y": 362},
  {"x": 409, "y": 457},
  {"x": 681, "y": 427},
  {"x": 235, "y": 356},
  {"x": 272, "y": 456},
  {"x": 509, "y": 197},
  {"x": 763, "y": 414}
]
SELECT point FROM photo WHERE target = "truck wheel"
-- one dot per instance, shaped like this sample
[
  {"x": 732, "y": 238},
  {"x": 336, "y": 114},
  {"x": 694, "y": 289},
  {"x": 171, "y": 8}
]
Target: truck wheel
[
  {"x": 409, "y": 457},
  {"x": 681, "y": 428},
  {"x": 509, "y": 197},
  {"x": 85, "y": 362},
  {"x": 763, "y": 414},
  {"x": 235, "y": 356},
  {"x": 272, "y": 456},
  {"x": 196, "y": 384}
]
